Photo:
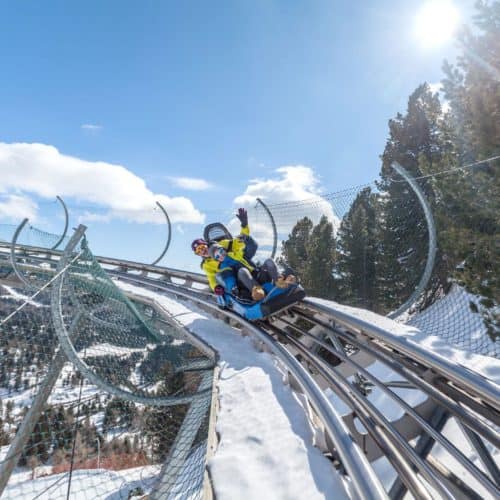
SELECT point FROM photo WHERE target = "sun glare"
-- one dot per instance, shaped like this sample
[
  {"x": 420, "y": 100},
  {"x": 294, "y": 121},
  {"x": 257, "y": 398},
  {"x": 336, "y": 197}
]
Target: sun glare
[{"x": 436, "y": 22}]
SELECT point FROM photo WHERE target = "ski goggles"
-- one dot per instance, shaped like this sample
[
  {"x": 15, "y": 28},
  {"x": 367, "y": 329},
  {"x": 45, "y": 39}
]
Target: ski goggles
[
  {"x": 201, "y": 249},
  {"x": 219, "y": 253}
]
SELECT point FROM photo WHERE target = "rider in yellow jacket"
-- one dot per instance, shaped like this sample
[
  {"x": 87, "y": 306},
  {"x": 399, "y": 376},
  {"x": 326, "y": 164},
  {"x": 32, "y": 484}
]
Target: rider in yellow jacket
[{"x": 236, "y": 247}]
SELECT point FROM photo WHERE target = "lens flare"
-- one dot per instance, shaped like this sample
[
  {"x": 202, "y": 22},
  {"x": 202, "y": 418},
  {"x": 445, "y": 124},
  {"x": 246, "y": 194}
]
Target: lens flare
[{"x": 436, "y": 22}]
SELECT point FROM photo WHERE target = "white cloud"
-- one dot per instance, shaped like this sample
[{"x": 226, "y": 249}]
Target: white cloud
[
  {"x": 191, "y": 183},
  {"x": 42, "y": 170},
  {"x": 293, "y": 184},
  {"x": 93, "y": 217},
  {"x": 91, "y": 127},
  {"x": 435, "y": 87},
  {"x": 16, "y": 207}
]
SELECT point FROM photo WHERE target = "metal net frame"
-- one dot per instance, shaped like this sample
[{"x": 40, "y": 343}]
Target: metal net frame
[
  {"x": 417, "y": 285},
  {"x": 61, "y": 434}
]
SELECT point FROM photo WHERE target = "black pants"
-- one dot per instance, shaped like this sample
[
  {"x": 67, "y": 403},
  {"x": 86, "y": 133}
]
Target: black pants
[{"x": 267, "y": 272}]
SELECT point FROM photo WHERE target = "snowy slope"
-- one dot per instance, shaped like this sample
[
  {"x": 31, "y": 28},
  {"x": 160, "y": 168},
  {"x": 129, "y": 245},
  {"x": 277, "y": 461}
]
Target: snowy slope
[
  {"x": 452, "y": 319},
  {"x": 265, "y": 448},
  {"x": 484, "y": 365},
  {"x": 85, "y": 484}
]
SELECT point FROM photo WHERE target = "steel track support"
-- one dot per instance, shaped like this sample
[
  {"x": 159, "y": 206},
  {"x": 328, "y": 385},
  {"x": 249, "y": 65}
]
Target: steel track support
[
  {"x": 66, "y": 222},
  {"x": 423, "y": 447},
  {"x": 482, "y": 452}
]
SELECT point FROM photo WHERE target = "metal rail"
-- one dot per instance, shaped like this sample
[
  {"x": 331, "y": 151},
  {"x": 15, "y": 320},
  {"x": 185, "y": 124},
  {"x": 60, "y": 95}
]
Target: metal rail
[
  {"x": 432, "y": 249},
  {"x": 365, "y": 481},
  {"x": 463, "y": 377},
  {"x": 425, "y": 426}
]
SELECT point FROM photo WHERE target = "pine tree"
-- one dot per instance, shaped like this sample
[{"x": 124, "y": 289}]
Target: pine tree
[
  {"x": 415, "y": 138},
  {"x": 294, "y": 249},
  {"x": 318, "y": 280},
  {"x": 469, "y": 213},
  {"x": 357, "y": 253},
  {"x": 310, "y": 252}
]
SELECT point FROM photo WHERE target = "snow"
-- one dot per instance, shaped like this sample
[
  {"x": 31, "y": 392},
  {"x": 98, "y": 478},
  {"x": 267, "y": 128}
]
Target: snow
[
  {"x": 13, "y": 294},
  {"x": 266, "y": 441},
  {"x": 85, "y": 484},
  {"x": 369, "y": 317},
  {"x": 452, "y": 319},
  {"x": 106, "y": 349},
  {"x": 485, "y": 366},
  {"x": 265, "y": 446}
]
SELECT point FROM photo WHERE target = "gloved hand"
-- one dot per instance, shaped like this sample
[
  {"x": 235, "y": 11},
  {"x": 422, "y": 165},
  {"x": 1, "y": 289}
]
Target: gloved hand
[
  {"x": 219, "y": 290},
  {"x": 243, "y": 216}
]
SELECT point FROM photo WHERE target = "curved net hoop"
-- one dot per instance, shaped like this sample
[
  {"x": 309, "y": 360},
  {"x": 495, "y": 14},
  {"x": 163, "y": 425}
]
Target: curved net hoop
[
  {"x": 32, "y": 236},
  {"x": 120, "y": 447},
  {"x": 27, "y": 264},
  {"x": 104, "y": 334}
]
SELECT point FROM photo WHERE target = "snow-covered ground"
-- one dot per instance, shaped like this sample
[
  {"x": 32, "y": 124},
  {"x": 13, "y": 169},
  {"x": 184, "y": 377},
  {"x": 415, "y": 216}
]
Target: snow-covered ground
[
  {"x": 486, "y": 366},
  {"x": 452, "y": 319},
  {"x": 248, "y": 397},
  {"x": 265, "y": 448},
  {"x": 85, "y": 484},
  {"x": 14, "y": 294},
  {"x": 265, "y": 445}
]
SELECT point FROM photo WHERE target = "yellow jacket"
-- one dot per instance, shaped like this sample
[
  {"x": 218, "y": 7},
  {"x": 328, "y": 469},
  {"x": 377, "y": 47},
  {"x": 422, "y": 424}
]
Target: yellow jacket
[{"x": 235, "y": 249}]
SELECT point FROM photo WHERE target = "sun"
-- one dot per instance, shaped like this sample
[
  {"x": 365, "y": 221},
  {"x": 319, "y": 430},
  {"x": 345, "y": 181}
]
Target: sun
[{"x": 436, "y": 22}]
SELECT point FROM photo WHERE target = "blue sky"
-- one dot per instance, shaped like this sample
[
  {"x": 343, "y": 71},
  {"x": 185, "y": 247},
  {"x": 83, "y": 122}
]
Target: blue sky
[{"x": 225, "y": 92}]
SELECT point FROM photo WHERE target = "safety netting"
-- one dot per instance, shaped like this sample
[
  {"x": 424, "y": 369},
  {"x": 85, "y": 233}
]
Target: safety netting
[
  {"x": 370, "y": 247},
  {"x": 124, "y": 415}
]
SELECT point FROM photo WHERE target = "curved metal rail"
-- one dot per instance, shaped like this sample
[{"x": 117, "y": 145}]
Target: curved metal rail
[
  {"x": 476, "y": 385},
  {"x": 431, "y": 251},
  {"x": 169, "y": 237},
  {"x": 273, "y": 225},
  {"x": 13, "y": 262},
  {"x": 66, "y": 223},
  {"x": 393, "y": 441},
  {"x": 64, "y": 336}
]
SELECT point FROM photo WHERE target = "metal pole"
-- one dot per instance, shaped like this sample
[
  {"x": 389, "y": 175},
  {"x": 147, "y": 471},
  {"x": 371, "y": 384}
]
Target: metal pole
[
  {"x": 169, "y": 237},
  {"x": 98, "y": 453},
  {"x": 431, "y": 252},
  {"x": 66, "y": 222},
  {"x": 13, "y": 256},
  {"x": 482, "y": 452},
  {"x": 273, "y": 224}
]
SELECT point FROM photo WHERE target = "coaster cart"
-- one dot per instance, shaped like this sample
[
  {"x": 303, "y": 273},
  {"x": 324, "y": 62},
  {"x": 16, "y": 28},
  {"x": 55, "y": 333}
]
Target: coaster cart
[{"x": 276, "y": 299}]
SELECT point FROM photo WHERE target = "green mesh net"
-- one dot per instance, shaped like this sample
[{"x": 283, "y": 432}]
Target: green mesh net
[{"x": 85, "y": 441}]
